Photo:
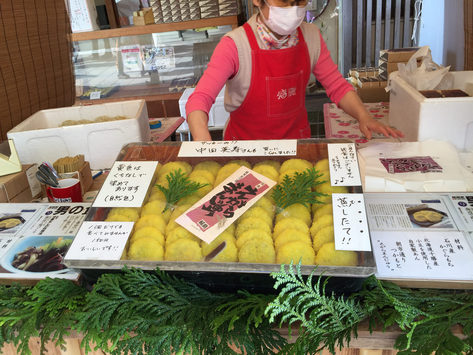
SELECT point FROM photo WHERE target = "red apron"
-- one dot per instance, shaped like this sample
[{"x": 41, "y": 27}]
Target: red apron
[{"x": 274, "y": 107}]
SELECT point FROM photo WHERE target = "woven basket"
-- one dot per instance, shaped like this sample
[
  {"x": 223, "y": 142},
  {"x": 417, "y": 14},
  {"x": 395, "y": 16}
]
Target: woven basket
[{"x": 35, "y": 60}]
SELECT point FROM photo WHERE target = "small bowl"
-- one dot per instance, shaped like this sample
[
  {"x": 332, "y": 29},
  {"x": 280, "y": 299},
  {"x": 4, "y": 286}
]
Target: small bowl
[{"x": 24, "y": 243}]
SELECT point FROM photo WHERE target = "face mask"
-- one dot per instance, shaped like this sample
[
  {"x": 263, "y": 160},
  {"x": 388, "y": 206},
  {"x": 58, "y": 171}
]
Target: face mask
[{"x": 284, "y": 20}]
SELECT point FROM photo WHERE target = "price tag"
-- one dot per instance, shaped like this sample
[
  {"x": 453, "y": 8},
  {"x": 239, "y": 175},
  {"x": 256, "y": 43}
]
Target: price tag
[
  {"x": 343, "y": 164},
  {"x": 422, "y": 255},
  {"x": 94, "y": 95},
  {"x": 463, "y": 204},
  {"x": 261, "y": 148},
  {"x": 349, "y": 222},
  {"x": 217, "y": 210},
  {"x": 100, "y": 241},
  {"x": 126, "y": 184}
]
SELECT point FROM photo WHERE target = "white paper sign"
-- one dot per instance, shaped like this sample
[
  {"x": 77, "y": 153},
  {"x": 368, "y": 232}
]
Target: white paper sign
[
  {"x": 463, "y": 205},
  {"x": 217, "y": 210},
  {"x": 261, "y": 148},
  {"x": 343, "y": 164},
  {"x": 126, "y": 184},
  {"x": 422, "y": 255},
  {"x": 61, "y": 219},
  {"x": 349, "y": 222},
  {"x": 95, "y": 95},
  {"x": 100, "y": 241}
]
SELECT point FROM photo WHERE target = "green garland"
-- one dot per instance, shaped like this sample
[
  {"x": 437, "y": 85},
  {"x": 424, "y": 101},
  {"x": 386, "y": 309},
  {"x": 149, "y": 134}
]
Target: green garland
[{"x": 155, "y": 313}]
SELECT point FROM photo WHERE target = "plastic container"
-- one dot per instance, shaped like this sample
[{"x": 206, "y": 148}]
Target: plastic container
[
  {"x": 420, "y": 118},
  {"x": 40, "y": 138}
]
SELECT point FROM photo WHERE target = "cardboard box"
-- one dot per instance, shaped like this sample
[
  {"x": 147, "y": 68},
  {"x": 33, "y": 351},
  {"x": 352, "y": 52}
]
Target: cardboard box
[
  {"x": 218, "y": 116},
  {"x": 15, "y": 188},
  {"x": 377, "y": 94},
  {"x": 40, "y": 138},
  {"x": 397, "y": 55},
  {"x": 420, "y": 118}
]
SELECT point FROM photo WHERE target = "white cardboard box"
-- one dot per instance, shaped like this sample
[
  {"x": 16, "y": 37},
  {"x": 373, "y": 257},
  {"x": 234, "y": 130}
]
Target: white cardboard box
[
  {"x": 40, "y": 138},
  {"x": 421, "y": 118},
  {"x": 218, "y": 116}
]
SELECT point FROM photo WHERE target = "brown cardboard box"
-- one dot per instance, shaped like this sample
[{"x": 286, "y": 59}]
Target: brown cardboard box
[
  {"x": 15, "y": 188},
  {"x": 396, "y": 55},
  {"x": 373, "y": 94}
]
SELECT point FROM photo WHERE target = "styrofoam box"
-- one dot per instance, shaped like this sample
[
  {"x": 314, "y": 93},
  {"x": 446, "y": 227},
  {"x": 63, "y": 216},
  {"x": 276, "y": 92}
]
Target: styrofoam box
[
  {"x": 419, "y": 118},
  {"x": 218, "y": 116},
  {"x": 40, "y": 138}
]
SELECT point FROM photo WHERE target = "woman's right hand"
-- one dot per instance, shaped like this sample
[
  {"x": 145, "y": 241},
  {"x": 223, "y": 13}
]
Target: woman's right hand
[{"x": 198, "y": 125}]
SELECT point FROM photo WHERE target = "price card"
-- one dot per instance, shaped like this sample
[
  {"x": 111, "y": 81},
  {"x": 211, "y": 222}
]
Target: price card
[
  {"x": 95, "y": 95},
  {"x": 126, "y": 184},
  {"x": 343, "y": 164},
  {"x": 350, "y": 223},
  {"x": 223, "y": 205},
  {"x": 463, "y": 205},
  {"x": 422, "y": 255},
  {"x": 100, "y": 241},
  {"x": 265, "y": 148}
]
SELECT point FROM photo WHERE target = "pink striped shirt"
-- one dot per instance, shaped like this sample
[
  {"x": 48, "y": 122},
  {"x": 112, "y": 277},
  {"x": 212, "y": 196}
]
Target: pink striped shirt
[{"x": 224, "y": 65}]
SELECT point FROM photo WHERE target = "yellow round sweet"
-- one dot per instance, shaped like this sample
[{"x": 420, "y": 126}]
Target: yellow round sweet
[
  {"x": 296, "y": 210},
  {"x": 256, "y": 251},
  {"x": 323, "y": 236},
  {"x": 208, "y": 165},
  {"x": 290, "y": 223},
  {"x": 322, "y": 165},
  {"x": 9, "y": 223},
  {"x": 227, "y": 255},
  {"x": 206, "y": 174},
  {"x": 433, "y": 217},
  {"x": 225, "y": 171},
  {"x": 189, "y": 200},
  {"x": 327, "y": 255},
  {"x": 327, "y": 188},
  {"x": 185, "y": 167},
  {"x": 156, "y": 194},
  {"x": 240, "y": 162},
  {"x": 203, "y": 181},
  {"x": 291, "y": 173},
  {"x": 253, "y": 234},
  {"x": 163, "y": 182},
  {"x": 117, "y": 218},
  {"x": 295, "y": 251},
  {"x": 319, "y": 210},
  {"x": 156, "y": 207},
  {"x": 132, "y": 214},
  {"x": 148, "y": 232},
  {"x": 268, "y": 171},
  {"x": 180, "y": 233},
  {"x": 145, "y": 248},
  {"x": 257, "y": 212},
  {"x": 223, "y": 237},
  {"x": 265, "y": 202},
  {"x": 183, "y": 250},
  {"x": 325, "y": 220},
  {"x": 151, "y": 220},
  {"x": 251, "y": 223},
  {"x": 420, "y": 216},
  {"x": 291, "y": 235},
  {"x": 274, "y": 163},
  {"x": 295, "y": 164}
]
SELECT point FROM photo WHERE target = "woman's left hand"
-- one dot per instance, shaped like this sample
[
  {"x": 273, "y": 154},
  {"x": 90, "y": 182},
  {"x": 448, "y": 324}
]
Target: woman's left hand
[{"x": 368, "y": 125}]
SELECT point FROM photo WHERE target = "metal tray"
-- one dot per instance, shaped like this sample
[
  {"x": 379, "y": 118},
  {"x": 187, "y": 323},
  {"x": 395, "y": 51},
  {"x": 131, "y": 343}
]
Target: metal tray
[{"x": 310, "y": 149}]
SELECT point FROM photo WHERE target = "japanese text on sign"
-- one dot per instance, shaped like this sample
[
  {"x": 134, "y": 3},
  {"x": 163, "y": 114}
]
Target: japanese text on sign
[
  {"x": 100, "y": 241},
  {"x": 224, "y": 204},
  {"x": 343, "y": 164},
  {"x": 238, "y": 148},
  {"x": 463, "y": 204},
  {"x": 126, "y": 184},
  {"x": 431, "y": 255},
  {"x": 349, "y": 222}
]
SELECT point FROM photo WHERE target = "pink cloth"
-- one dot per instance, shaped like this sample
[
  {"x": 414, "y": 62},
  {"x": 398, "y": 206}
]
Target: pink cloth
[{"x": 224, "y": 65}]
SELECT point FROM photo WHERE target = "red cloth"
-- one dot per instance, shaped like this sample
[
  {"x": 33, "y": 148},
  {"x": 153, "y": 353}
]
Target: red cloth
[{"x": 276, "y": 97}]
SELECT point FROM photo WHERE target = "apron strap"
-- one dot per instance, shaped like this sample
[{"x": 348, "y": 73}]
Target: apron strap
[{"x": 251, "y": 36}]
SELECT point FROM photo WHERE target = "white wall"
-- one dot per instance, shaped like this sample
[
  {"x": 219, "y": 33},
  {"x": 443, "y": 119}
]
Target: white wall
[{"x": 443, "y": 31}]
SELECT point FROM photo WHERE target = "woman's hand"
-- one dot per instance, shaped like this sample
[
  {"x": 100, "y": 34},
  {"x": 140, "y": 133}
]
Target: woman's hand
[{"x": 351, "y": 104}]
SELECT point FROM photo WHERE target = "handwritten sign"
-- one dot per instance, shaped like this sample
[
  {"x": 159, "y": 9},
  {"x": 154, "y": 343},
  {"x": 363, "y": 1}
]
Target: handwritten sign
[
  {"x": 126, "y": 184},
  {"x": 223, "y": 205},
  {"x": 95, "y": 95},
  {"x": 349, "y": 222},
  {"x": 463, "y": 205},
  {"x": 265, "y": 148},
  {"x": 422, "y": 254},
  {"x": 100, "y": 241},
  {"x": 343, "y": 164}
]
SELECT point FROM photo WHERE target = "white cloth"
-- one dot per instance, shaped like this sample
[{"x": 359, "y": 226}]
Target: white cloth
[{"x": 453, "y": 177}]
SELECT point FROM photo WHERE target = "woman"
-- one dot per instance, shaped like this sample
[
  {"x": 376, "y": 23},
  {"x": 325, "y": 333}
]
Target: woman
[{"x": 266, "y": 64}]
